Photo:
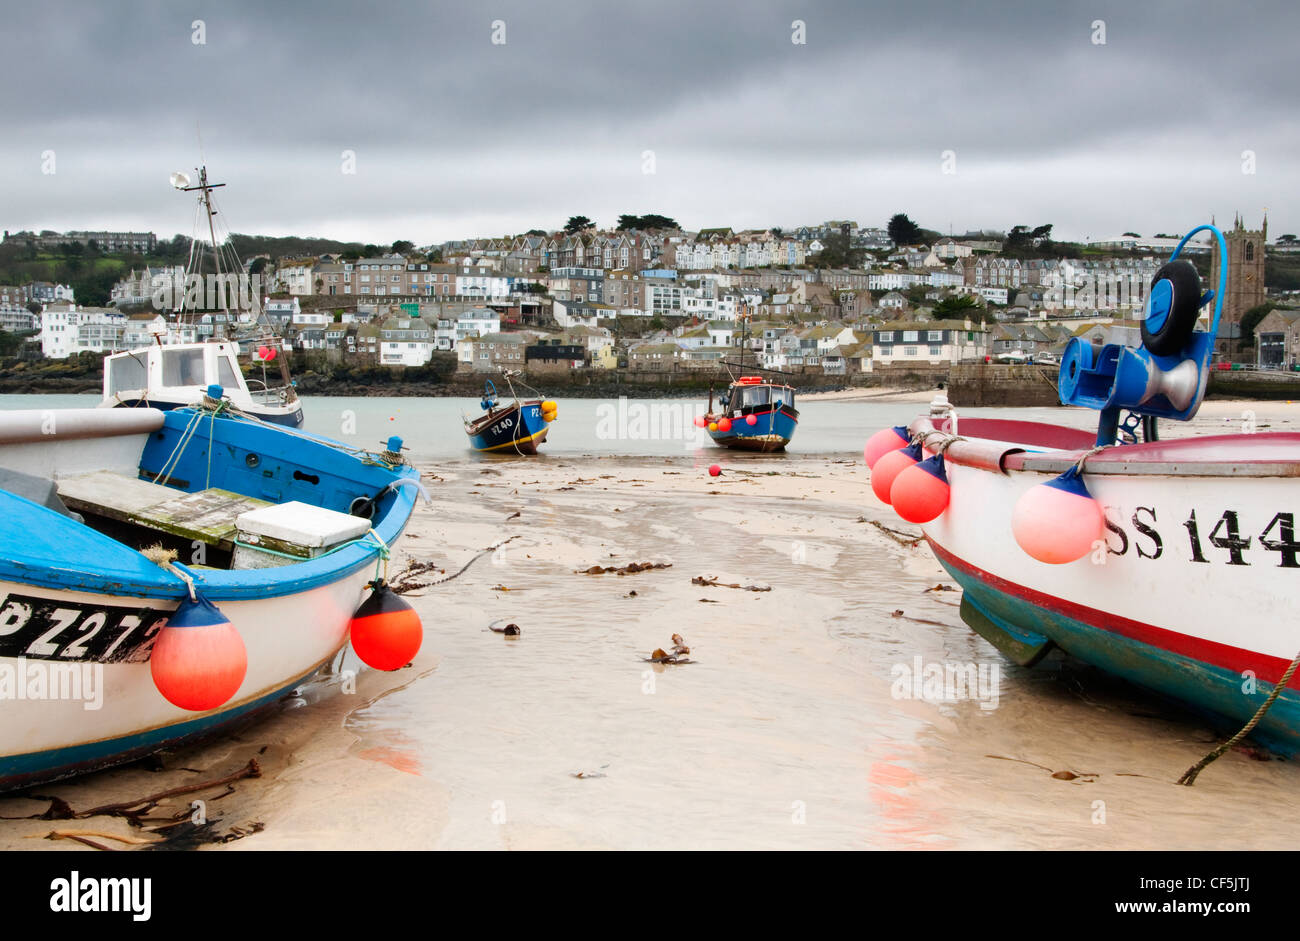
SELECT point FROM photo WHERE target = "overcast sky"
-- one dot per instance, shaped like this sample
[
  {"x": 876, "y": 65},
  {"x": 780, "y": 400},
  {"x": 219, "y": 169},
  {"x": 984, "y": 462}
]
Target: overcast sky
[{"x": 456, "y": 136}]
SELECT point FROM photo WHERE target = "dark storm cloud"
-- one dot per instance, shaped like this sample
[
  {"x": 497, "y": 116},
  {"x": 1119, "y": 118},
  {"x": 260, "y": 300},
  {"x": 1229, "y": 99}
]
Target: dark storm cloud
[{"x": 455, "y": 136}]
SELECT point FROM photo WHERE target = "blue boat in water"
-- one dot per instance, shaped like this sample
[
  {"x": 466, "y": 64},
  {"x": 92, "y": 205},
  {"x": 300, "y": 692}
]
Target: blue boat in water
[
  {"x": 753, "y": 415},
  {"x": 516, "y": 428}
]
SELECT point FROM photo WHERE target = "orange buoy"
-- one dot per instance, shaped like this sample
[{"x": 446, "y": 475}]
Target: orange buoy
[
  {"x": 386, "y": 631},
  {"x": 713, "y": 426},
  {"x": 724, "y": 424},
  {"x": 714, "y": 470},
  {"x": 198, "y": 661},
  {"x": 751, "y": 420},
  {"x": 920, "y": 492},
  {"x": 1058, "y": 521},
  {"x": 884, "y": 441},
  {"x": 890, "y": 466}
]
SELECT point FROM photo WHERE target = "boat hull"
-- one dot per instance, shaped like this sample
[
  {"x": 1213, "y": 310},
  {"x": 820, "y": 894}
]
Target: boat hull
[
  {"x": 67, "y": 713},
  {"x": 772, "y": 430},
  {"x": 80, "y": 609},
  {"x": 1182, "y": 598},
  {"x": 515, "y": 429}
]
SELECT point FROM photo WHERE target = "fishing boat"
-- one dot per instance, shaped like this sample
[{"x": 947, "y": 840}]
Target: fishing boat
[
  {"x": 753, "y": 415},
  {"x": 517, "y": 427},
  {"x": 174, "y": 373},
  {"x": 1165, "y": 562},
  {"x": 167, "y": 574}
]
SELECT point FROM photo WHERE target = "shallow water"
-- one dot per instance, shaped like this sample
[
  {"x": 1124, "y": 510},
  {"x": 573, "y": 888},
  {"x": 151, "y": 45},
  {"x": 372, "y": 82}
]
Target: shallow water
[{"x": 432, "y": 427}]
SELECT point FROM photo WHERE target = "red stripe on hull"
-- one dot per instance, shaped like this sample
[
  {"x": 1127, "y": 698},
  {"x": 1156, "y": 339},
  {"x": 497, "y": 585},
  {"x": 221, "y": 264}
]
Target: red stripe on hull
[{"x": 1237, "y": 659}]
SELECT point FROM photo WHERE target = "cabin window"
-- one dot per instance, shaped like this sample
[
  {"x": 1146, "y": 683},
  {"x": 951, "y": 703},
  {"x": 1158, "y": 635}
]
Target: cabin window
[
  {"x": 126, "y": 374},
  {"x": 226, "y": 374},
  {"x": 755, "y": 396},
  {"x": 183, "y": 368},
  {"x": 783, "y": 396}
]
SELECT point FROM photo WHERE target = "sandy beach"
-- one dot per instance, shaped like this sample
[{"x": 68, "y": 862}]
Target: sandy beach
[{"x": 788, "y": 728}]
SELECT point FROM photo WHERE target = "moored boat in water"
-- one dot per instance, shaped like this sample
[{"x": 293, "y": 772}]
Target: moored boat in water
[
  {"x": 753, "y": 415},
  {"x": 1165, "y": 562},
  {"x": 282, "y": 533},
  {"x": 517, "y": 427}
]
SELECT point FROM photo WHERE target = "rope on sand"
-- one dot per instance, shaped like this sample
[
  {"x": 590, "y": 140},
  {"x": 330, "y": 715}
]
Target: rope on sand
[{"x": 1189, "y": 776}]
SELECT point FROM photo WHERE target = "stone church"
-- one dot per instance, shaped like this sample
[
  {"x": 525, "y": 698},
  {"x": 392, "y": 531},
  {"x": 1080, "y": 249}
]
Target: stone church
[{"x": 1245, "y": 279}]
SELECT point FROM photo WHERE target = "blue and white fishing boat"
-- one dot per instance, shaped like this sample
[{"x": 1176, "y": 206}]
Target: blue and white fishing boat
[
  {"x": 753, "y": 415},
  {"x": 515, "y": 428},
  {"x": 1167, "y": 563},
  {"x": 244, "y": 547}
]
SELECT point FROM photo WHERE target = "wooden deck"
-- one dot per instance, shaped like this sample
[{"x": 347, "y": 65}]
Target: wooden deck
[{"x": 207, "y": 516}]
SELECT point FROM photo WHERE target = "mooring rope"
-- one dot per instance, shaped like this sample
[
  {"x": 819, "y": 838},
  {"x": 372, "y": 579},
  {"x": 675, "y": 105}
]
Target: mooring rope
[{"x": 1189, "y": 776}]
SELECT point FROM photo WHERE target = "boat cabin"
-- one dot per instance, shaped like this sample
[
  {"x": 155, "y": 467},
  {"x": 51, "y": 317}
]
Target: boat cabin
[
  {"x": 751, "y": 394},
  {"x": 178, "y": 372}
]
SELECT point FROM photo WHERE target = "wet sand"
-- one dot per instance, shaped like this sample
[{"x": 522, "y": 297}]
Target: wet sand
[{"x": 788, "y": 729}]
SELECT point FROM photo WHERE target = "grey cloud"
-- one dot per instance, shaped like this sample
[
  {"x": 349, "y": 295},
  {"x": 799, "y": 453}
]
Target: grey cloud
[{"x": 747, "y": 128}]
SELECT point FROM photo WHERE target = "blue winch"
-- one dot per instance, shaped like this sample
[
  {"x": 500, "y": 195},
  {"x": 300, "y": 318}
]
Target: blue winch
[{"x": 1165, "y": 377}]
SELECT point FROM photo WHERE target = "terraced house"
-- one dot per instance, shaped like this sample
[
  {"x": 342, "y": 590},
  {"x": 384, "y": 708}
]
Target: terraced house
[{"x": 934, "y": 342}]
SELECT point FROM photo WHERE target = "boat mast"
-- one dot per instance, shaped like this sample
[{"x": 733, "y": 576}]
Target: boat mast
[{"x": 206, "y": 189}]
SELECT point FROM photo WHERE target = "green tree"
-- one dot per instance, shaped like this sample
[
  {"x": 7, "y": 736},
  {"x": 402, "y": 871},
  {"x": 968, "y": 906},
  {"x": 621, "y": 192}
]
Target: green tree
[
  {"x": 837, "y": 252},
  {"x": 902, "y": 230},
  {"x": 578, "y": 224},
  {"x": 403, "y": 247},
  {"x": 958, "y": 307},
  {"x": 1251, "y": 318},
  {"x": 649, "y": 221}
]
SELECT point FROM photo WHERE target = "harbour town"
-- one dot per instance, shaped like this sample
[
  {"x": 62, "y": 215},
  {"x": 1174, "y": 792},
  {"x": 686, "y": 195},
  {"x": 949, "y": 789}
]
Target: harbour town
[{"x": 787, "y": 440}]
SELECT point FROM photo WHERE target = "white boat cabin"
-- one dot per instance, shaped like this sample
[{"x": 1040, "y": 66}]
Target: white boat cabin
[{"x": 175, "y": 374}]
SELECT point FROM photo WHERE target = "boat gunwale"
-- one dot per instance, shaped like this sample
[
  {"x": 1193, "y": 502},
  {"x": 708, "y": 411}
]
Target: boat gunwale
[{"x": 1126, "y": 460}]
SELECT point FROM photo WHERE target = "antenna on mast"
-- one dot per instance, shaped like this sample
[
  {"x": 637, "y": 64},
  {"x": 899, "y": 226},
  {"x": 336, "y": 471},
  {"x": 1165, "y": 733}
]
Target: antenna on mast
[{"x": 182, "y": 182}]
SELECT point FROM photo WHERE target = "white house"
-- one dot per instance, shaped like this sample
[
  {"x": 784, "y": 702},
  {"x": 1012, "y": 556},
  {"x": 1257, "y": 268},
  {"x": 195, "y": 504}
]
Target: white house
[
  {"x": 477, "y": 322},
  {"x": 935, "y": 342},
  {"x": 405, "y": 341},
  {"x": 68, "y": 329}
]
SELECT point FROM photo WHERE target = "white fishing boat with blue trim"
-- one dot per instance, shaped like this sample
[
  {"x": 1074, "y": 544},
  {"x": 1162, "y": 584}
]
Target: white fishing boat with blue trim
[
  {"x": 123, "y": 530},
  {"x": 1171, "y": 563}
]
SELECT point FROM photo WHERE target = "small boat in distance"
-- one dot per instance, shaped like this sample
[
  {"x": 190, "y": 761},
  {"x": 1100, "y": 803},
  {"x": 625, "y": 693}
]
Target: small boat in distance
[
  {"x": 175, "y": 373},
  {"x": 753, "y": 415},
  {"x": 517, "y": 428}
]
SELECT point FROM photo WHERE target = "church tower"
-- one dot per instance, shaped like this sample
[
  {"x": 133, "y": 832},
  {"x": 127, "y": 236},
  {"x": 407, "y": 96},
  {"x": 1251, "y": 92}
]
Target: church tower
[{"x": 1245, "y": 274}]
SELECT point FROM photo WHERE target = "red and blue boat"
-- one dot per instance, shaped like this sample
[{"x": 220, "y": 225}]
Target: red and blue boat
[
  {"x": 753, "y": 415},
  {"x": 1165, "y": 562}
]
